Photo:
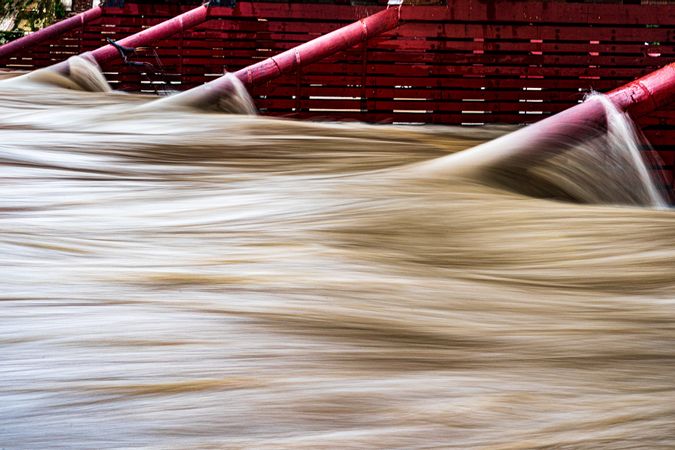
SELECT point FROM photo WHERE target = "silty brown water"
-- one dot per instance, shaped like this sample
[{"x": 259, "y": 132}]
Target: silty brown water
[{"x": 184, "y": 279}]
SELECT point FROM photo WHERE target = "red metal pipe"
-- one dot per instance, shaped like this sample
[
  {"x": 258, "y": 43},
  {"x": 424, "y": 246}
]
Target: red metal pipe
[
  {"x": 50, "y": 32},
  {"x": 319, "y": 48},
  {"x": 644, "y": 95},
  {"x": 185, "y": 21},
  {"x": 297, "y": 57},
  {"x": 546, "y": 137},
  {"x": 178, "y": 24}
]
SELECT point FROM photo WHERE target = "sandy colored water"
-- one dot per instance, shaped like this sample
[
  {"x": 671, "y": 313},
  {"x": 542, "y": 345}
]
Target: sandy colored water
[{"x": 182, "y": 279}]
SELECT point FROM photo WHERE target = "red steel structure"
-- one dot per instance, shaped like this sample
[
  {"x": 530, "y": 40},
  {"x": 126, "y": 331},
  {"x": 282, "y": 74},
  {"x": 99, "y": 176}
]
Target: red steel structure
[
  {"x": 168, "y": 28},
  {"x": 542, "y": 139},
  {"x": 467, "y": 62},
  {"x": 294, "y": 58},
  {"x": 163, "y": 30}
]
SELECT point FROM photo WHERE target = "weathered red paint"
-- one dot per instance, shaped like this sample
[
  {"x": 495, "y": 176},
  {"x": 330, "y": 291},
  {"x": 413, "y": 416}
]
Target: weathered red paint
[
  {"x": 296, "y": 57},
  {"x": 50, "y": 32}
]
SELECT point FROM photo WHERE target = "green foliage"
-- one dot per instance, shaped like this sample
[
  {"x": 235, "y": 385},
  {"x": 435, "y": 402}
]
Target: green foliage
[
  {"x": 6, "y": 36},
  {"x": 31, "y": 15}
]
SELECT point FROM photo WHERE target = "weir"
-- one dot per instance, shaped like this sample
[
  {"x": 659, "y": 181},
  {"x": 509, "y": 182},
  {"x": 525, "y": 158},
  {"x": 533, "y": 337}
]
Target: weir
[
  {"x": 406, "y": 95},
  {"x": 290, "y": 60},
  {"x": 542, "y": 139}
]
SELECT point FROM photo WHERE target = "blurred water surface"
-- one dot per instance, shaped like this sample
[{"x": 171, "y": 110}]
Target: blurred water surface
[{"x": 177, "y": 278}]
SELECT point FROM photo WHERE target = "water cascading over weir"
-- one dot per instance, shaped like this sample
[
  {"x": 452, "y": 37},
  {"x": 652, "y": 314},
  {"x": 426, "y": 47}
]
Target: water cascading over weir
[{"x": 466, "y": 62}]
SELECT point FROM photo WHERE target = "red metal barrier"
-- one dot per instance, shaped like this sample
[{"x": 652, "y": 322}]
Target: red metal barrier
[
  {"x": 293, "y": 59},
  {"x": 543, "y": 139},
  {"x": 163, "y": 30},
  {"x": 467, "y": 63},
  {"x": 160, "y": 31},
  {"x": 50, "y": 32}
]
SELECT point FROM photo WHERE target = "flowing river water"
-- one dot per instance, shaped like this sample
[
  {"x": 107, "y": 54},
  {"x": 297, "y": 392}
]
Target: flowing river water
[{"x": 179, "y": 278}]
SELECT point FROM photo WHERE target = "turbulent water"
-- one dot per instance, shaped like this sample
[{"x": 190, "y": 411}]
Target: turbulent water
[{"x": 176, "y": 278}]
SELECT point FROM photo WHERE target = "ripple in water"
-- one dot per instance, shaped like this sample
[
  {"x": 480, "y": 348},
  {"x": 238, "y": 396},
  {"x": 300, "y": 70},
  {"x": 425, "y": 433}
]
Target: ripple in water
[{"x": 178, "y": 278}]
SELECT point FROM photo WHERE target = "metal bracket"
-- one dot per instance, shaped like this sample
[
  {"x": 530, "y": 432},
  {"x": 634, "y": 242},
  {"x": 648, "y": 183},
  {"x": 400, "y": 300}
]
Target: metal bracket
[
  {"x": 122, "y": 50},
  {"x": 125, "y": 52}
]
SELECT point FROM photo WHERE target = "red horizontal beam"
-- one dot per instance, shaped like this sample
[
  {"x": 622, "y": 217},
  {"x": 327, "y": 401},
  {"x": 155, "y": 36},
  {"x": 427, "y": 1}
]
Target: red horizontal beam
[
  {"x": 540, "y": 12},
  {"x": 493, "y": 11},
  {"x": 434, "y": 34},
  {"x": 433, "y": 94},
  {"x": 430, "y": 106},
  {"x": 403, "y": 117}
]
